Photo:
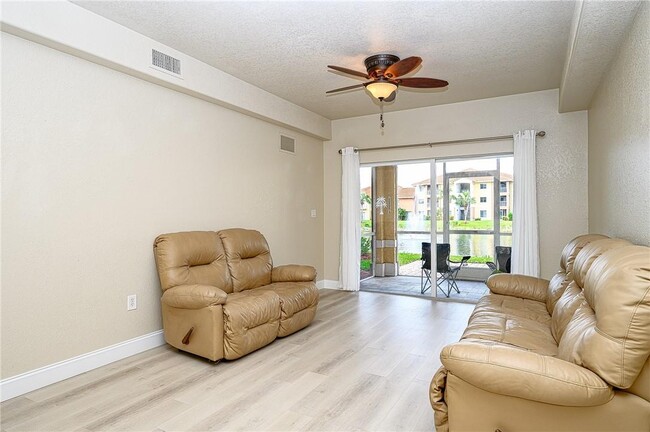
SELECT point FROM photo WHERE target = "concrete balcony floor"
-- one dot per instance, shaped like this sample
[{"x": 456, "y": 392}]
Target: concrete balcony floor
[{"x": 409, "y": 282}]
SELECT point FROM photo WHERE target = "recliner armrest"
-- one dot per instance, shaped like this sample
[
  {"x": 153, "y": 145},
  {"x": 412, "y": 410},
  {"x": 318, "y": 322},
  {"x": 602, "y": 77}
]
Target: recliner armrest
[
  {"x": 193, "y": 296},
  {"x": 516, "y": 285},
  {"x": 524, "y": 374},
  {"x": 293, "y": 273}
]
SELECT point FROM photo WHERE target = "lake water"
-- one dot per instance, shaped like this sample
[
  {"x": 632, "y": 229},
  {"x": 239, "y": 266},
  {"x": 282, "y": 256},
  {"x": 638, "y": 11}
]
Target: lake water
[{"x": 461, "y": 244}]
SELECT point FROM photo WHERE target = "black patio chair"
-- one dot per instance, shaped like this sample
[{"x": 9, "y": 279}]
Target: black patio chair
[
  {"x": 503, "y": 258},
  {"x": 502, "y": 265},
  {"x": 425, "y": 272},
  {"x": 447, "y": 268}
]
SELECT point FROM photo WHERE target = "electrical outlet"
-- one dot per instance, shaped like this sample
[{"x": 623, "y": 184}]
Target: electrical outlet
[
  {"x": 313, "y": 213},
  {"x": 131, "y": 302}
]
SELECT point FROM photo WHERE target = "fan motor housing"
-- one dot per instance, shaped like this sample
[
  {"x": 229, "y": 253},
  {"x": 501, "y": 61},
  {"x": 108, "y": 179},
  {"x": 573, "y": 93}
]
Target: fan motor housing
[{"x": 377, "y": 64}]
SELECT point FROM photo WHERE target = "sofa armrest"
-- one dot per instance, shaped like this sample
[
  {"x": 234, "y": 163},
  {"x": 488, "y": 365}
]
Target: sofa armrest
[
  {"x": 293, "y": 273},
  {"x": 516, "y": 285},
  {"x": 524, "y": 374},
  {"x": 193, "y": 296}
]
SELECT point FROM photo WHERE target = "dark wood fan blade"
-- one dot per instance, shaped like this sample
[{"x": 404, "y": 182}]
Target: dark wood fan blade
[
  {"x": 402, "y": 67},
  {"x": 423, "y": 83},
  {"x": 346, "y": 88},
  {"x": 348, "y": 71},
  {"x": 391, "y": 97}
]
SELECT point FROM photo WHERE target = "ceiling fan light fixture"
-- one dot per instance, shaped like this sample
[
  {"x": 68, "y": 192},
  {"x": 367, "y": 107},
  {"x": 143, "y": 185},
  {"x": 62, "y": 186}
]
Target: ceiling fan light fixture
[{"x": 381, "y": 89}]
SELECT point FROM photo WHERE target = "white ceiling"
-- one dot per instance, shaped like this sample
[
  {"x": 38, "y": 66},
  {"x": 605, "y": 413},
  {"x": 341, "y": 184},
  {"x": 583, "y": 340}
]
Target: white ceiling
[{"x": 484, "y": 49}]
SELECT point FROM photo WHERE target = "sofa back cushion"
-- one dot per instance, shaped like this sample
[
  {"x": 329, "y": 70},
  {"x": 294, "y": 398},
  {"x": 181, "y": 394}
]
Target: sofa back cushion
[
  {"x": 608, "y": 333},
  {"x": 565, "y": 307},
  {"x": 189, "y": 258},
  {"x": 248, "y": 256},
  {"x": 569, "y": 302},
  {"x": 586, "y": 257},
  {"x": 564, "y": 276}
]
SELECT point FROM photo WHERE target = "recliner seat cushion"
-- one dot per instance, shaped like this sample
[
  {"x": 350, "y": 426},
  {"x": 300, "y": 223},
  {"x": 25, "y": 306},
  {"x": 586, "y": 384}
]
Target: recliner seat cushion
[
  {"x": 516, "y": 306},
  {"x": 295, "y": 298},
  {"x": 512, "y": 330},
  {"x": 251, "y": 321}
]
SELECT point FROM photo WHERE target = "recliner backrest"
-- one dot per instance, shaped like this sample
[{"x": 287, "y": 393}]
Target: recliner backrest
[
  {"x": 572, "y": 297},
  {"x": 248, "y": 257},
  {"x": 564, "y": 276},
  {"x": 189, "y": 258},
  {"x": 608, "y": 332}
]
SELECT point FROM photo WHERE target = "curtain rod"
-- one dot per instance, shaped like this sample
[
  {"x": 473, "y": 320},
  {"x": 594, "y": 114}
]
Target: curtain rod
[{"x": 431, "y": 144}]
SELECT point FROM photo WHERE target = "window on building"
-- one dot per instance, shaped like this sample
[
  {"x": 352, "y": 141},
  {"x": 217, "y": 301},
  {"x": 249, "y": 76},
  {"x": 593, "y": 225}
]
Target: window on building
[
  {"x": 483, "y": 213},
  {"x": 421, "y": 201},
  {"x": 503, "y": 200},
  {"x": 483, "y": 199},
  {"x": 483, "y": 186},
  {"x": 504, "y": 212},
  {"x": 503, "y": 187}
]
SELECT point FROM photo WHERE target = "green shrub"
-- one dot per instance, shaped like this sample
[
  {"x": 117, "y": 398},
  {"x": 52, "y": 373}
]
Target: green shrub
[
  {"x": 365, "y": 264},
  {"x": 365, "y": 245},
  {"x": 510, "y": 216},
  {"x": 401, "y": 214}
]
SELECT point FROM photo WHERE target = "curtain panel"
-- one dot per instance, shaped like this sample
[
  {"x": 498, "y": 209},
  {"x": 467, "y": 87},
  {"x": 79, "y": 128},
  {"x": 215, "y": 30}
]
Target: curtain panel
[
  {"x": 350, "y": 252},
  {"x": 525, "y": 234}
]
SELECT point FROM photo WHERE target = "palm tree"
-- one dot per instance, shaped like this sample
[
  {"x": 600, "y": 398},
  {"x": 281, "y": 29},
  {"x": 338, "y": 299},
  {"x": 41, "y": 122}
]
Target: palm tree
[
  {"x": 365, "y": 199},
  {"x": 464, "y": 200}
]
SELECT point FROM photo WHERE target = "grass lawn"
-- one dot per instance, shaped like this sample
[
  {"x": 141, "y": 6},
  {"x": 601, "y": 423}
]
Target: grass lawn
[{"x": 408, "y": 257}]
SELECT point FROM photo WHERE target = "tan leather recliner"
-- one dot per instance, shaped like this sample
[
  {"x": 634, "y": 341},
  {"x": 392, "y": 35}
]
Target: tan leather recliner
[
  {"x": 222, "y": 297},
  {"x": 571, "y": 354}
]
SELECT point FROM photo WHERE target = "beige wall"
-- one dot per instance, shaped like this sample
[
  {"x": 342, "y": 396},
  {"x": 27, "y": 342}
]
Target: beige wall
[
  {"x": 619, "y": 141},
  {"x": 561, "y": 158},
  {"x": 95, "y": 164}
]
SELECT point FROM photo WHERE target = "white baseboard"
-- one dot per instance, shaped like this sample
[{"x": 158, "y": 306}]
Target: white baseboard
[
  {"x": 41, "y": 377},
  {"x": 328, "y": 284}
]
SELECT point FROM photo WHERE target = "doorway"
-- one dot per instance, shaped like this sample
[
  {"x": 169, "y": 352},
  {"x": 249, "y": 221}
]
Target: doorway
[{"x": 469, "y": 206}]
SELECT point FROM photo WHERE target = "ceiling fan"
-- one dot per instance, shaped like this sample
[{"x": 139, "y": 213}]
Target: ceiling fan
[{"x": 384, "y": 72}]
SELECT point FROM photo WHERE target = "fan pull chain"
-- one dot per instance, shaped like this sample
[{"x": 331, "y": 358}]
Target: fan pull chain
[{"x": 381, "y": 115}]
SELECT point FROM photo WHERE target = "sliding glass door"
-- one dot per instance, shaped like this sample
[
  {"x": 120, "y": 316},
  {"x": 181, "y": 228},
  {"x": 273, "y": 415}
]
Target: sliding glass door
[
  {"x": 415, "y": 213},
  {"x": 477, "y": 207},
  {"x": 464, "y": 202},
  {"x": 367, "y": 232}
]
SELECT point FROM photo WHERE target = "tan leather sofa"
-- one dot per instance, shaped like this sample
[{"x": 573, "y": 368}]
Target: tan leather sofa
[
  {"x": 222, "y": 297},
  {"x": 570, "y": 354}
]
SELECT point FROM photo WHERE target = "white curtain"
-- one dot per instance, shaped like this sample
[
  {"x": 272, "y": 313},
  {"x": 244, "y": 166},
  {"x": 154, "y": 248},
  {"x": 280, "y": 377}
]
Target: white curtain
[
  {"x": 525, "y": 238},
  {"x": 350, "y": 257}
]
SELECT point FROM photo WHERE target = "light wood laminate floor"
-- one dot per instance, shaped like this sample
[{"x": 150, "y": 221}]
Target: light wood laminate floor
[{"x": 364, "y": 364}]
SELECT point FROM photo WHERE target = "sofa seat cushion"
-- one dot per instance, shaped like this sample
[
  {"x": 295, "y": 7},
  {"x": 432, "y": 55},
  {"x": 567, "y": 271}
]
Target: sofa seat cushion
[
  {"x": 524, "y": 308},
  {"x": 513, "y": 330},
  {"x": 294, "y": 296},
  {"x": 298, "y": 302},
  {"x": 251, "y": 321}
]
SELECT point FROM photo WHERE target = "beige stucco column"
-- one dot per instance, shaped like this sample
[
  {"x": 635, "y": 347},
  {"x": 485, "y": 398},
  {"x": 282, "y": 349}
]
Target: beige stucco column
[{"x": 386, "y": 223}]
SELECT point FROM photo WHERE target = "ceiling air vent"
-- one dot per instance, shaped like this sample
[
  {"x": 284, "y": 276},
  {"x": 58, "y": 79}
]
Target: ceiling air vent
[
  {"x": 287, "y": 144},
  {"x": 165, "y": 63}
]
